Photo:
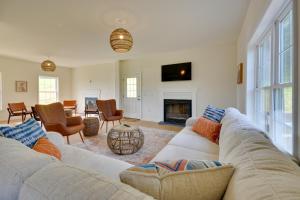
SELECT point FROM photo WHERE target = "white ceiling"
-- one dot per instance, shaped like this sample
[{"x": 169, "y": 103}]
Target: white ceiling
[{"x": 76, "y": 32}]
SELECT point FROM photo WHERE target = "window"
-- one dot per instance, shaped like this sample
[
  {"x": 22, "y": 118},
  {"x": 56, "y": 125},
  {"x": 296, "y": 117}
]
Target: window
[
  {"x": 48, "y": 89},
  {"x": 274, "y": 81},
  {"x": 131, "y": 88}
]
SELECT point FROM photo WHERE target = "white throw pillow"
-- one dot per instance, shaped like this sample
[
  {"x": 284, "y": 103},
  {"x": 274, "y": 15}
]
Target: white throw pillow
[{"x": 182, "y": 179}]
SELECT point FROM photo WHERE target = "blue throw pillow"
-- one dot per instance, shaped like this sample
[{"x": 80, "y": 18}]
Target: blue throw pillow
[
  {"x": 27, "y": 133},
  {"x": 214, "y": 114}
]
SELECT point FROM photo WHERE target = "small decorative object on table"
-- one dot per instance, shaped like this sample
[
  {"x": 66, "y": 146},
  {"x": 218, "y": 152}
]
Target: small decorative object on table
[
  {"x": 125, "y": 139},
  {"x": 91, "y": 126}
]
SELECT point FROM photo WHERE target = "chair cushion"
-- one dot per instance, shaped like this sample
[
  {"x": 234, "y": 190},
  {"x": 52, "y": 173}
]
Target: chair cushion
[
  {"x": 74, "y": 129},
  {"x": 180, "y": 179},
  {"x": 43, "y": 145},
  {"x": 27, "y": 133},
  {"x": 114, "y": 118},
  {"x": 208, "y": 129},
  {"x": 213, "y": 113}
]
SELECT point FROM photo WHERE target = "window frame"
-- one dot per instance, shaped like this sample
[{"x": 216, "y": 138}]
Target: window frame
[
  {"x": 57, "y": 86},
  {"x": 274, "y": 30}
]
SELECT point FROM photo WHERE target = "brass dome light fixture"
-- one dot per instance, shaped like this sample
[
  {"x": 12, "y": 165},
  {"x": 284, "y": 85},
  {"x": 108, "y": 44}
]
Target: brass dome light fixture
[
  {"x": 121, "y": 40},
  {"x": 48, "y": 66}
]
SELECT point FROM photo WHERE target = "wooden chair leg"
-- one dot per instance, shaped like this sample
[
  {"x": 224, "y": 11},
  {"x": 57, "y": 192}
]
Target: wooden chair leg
[
  {"x": 102, "y": 125},
  {"x": 8, "y": 120},
  {"x": 68, "y": 141},
  {"x": 81, "y": 136},
  {"x": 106, "y": 126},
  {"x": 113, "y": 123},
  {"x": 119, "y": 121}
]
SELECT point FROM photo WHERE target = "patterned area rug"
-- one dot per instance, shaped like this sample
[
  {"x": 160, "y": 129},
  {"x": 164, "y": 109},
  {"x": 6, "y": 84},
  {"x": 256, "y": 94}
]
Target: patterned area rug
[{"x": 154, "y": 141}]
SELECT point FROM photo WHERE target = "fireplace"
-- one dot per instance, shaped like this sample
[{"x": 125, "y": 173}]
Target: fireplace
[{"x": 177, "y": 111}]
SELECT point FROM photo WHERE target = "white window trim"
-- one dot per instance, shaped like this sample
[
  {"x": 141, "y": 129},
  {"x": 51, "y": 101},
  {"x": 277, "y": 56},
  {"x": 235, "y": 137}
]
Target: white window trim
[
  {"x": 57, "y": 86},
  {"x": 274, "y": 28}
]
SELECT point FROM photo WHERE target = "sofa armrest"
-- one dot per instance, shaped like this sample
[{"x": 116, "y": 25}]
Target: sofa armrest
[
  {"x": 55, "y": 138},
  {"x": 73, "y": 121},
  {"x": 191, "y": 121}
]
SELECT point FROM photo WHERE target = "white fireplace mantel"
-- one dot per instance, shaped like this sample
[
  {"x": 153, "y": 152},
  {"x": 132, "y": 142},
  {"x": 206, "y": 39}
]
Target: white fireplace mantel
[{"x": 188, "y": 94}]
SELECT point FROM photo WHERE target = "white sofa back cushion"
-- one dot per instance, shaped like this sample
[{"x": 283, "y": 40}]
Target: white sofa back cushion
[
  {"x": 60, "y": 181},
  {"x": 17, "y": 163},
  {"x": 261, "y": 170}
]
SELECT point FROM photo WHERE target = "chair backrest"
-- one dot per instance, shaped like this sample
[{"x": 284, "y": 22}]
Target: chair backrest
[
  {"x": 70, "y": 103},
  {"x": 107, "y": 107},
  {"x": 16, "y": 107},
  {"x": 35, "y": 114},
  {"x": 52, "y": 114}
]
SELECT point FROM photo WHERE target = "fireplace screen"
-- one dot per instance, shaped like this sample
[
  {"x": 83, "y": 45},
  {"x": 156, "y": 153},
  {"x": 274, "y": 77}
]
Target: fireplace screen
[{"x": 177, "y": 111}]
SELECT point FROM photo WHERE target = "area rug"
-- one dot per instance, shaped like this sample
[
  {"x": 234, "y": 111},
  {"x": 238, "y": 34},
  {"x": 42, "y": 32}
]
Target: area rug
[{"x": 154, "y": 141}]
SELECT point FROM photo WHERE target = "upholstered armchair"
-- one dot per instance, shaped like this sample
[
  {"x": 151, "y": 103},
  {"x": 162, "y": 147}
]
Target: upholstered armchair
[
  {"x": 54, "y": 119},
  {"x": 108, "y": 111}
]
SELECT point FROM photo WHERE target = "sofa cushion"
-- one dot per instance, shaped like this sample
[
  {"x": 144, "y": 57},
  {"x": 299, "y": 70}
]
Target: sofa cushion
[
  {"x": 208, "y": 129},
  {"x": 261, "y": 170},
  {"x": 180, "y": 179},
  {"x": 27, "y": 133},
  {"x": 60, "y": 181},
  {"x": 90, "y": 161},
  {"x": 187, "y": 138},
  {"x": 17, "y": 163},
  {"x": 174, "y": 152}
]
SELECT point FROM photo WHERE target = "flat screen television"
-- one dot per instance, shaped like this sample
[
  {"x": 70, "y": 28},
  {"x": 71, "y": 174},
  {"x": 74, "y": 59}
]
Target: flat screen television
[{"x": 176, "y": 72}]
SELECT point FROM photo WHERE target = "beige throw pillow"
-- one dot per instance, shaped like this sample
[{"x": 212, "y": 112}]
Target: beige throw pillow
[{"x": 181, "y": 179}]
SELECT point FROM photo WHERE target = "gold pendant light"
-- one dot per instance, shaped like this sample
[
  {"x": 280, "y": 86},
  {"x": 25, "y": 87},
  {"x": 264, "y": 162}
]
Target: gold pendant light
[
  {"x": 121, "y": 40},
  {"x": 48, "y": 66}
]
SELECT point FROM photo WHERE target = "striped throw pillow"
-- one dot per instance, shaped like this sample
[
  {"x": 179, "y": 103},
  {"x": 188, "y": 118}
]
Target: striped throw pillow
[
  {"x": 214, "y": 114},
  {"x": 196, "y": 179},
  {"x": 27, "y": 133}
]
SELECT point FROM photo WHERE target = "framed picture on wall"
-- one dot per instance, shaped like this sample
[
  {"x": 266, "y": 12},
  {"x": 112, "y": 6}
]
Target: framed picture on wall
[
  {"x": 21, "y": 86},
  {"x": 240, "y": 73}
]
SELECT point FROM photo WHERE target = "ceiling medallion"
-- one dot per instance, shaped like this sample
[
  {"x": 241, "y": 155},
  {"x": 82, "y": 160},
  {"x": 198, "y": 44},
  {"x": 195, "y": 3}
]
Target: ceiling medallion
[
  {"x": 48, "y": 66},
  {"x": 121, "y": 40}
]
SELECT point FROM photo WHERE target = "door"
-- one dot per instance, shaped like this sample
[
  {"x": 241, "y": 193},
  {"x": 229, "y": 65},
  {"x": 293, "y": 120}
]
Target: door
[{"x": 132, "y": 101}]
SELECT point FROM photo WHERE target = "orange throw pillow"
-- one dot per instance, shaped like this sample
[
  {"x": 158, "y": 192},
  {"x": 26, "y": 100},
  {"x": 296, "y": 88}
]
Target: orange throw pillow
[
  {"x": 207, "y": 128},
  {"x": 43, "y": 145}
]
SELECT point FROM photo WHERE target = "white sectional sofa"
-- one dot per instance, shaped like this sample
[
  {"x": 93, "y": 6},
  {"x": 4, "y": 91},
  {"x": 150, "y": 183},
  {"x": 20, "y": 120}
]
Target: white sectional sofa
[{"x": 262, "y": 172}]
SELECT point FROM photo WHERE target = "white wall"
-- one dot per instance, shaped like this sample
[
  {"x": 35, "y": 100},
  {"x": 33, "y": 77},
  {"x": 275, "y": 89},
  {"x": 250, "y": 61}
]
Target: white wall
[
  {"x": 255, "y": 13},
  {"x": 15, "y": 69},
  {"x": 100, "y": 80},
  {"x": 213, "y": 78}
]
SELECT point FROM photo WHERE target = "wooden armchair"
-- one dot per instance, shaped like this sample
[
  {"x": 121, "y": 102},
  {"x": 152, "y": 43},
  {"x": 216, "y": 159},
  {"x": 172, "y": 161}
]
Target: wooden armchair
[
  {"x": 17, "y": 109},
  {"x": 54, "y": 119},
  {"x": 70, "y": 104},
  {"x": 108, "y": 111}
]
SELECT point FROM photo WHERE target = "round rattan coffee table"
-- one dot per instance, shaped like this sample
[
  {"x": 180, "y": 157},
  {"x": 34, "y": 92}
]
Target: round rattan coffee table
[
  {"x": 91, "y": 126},
  {"x": 125, "y": 140}
]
